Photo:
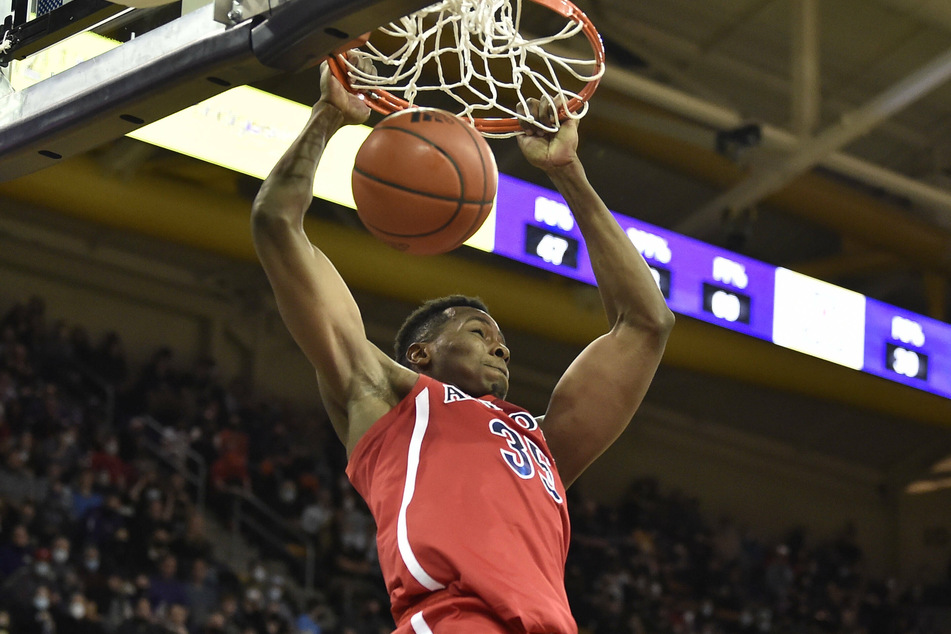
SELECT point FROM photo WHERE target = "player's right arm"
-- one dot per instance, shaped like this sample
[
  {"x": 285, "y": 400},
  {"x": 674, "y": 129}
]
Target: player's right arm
[{"x": 358, "y": 382}]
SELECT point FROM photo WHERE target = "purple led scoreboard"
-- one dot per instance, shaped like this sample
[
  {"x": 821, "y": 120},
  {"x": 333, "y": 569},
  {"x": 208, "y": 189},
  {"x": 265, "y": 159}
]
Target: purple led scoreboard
[{"x": 534, "y": 226}]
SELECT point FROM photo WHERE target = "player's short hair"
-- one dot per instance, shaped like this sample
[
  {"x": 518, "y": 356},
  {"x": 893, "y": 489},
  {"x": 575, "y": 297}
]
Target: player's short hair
[{"x": 423, "y": 324}]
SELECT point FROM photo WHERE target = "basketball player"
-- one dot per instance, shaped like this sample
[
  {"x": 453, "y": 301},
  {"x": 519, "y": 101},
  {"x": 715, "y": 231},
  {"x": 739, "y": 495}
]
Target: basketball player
[{"x": 468, "y": 491}]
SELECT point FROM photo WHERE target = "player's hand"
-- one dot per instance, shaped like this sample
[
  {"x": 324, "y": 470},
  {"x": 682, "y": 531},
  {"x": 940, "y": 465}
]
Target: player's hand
[
  {"x": 544, "y": 149},
  {"x": 353, "y": 107}
]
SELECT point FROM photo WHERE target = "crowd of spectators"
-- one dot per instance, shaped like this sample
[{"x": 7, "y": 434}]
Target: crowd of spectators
[
  {"x": 654, "y": 563},
  {"x": 98, "y": 536}
]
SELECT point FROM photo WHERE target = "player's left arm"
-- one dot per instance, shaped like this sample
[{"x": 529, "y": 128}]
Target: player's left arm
[{"x": 600, "y": 392}]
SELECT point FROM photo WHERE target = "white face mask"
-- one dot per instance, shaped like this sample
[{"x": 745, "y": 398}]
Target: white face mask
[
  {"x": 60, "y": 555},
  {"x": 77, "y": 610},
  {"x": 43, "y": 569},
  {"x": 41, "y": 602},
  {"x": 259, "y": 574}
]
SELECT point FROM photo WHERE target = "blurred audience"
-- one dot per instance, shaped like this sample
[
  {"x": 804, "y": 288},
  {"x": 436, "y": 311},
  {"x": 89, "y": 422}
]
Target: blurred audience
[{"x": 96, "y": 537}]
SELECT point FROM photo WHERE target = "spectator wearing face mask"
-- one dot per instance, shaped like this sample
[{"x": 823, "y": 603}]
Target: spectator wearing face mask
[
  {"x": 277, "y": 600},
  {"x": 318, "y": 513},
  {"x": 78, "y": 616},
  {"x": 257, "y": 574},
  {"x": 59, "y": 552},
  {"x": 22, "y": 586},
  {"x": 95, "y": 578},
  {"x": 106, "y": 459},
  {"x": 150, "y": 511},
  {"x": 36, "y": 617},
  {"x": 60, "y": 565},
  {"x": 253, "y": 615},
  {"x": 288, "y": 504}
]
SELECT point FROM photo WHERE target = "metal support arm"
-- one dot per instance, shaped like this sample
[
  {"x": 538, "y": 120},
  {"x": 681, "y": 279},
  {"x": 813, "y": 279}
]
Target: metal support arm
[{"x": 170, "y": 68}]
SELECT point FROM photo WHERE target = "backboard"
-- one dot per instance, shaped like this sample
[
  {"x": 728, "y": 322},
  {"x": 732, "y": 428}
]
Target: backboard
[{"x": 165, "y": 58}]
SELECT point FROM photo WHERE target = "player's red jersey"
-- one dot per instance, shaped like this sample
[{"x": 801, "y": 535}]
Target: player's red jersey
[{"x": 472, "y": 525}]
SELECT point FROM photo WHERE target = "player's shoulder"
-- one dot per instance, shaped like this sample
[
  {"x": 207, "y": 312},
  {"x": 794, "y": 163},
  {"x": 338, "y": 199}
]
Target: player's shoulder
[
  {"x": 376, "y": 398},
  {"x": 399, "y": 379}
]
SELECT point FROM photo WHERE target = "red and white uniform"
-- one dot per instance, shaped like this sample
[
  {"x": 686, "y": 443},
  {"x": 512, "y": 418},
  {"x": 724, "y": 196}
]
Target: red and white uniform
[{"x": 472, "y": 524}]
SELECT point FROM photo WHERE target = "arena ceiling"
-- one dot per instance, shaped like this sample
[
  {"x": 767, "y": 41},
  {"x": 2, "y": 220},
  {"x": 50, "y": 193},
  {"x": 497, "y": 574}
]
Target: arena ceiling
[
  {"x": 852, "y": 94},
  {"x": 811, "y": 135}
]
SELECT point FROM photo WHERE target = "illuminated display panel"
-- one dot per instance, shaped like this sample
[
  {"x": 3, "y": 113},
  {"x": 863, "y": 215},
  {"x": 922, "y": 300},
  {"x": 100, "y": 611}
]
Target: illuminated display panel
[
  {"x": 819, "y": 319},
  {"x": 908, "y": 348},
  {"x": 682, "y": 265},
  {"x": 739, "y": 293}
]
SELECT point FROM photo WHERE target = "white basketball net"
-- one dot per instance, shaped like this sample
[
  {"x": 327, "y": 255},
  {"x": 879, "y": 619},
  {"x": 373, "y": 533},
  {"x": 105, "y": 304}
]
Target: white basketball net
[{"x": 475, "y": 32}]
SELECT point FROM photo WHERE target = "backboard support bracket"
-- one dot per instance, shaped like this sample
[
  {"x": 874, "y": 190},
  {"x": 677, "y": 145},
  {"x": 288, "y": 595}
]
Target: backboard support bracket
[
  {"x": 235, "y": 11},
  {"x": 171, "y": 68},
  {"x": 28, "y": 37}
]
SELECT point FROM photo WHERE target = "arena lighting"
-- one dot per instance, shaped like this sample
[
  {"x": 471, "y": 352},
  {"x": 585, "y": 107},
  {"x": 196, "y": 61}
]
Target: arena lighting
[
  {"x": 57, "y": 58},
  {"x": 246, "y": 130},
  {"x": 928, "y": 486},
  {"x": 940, "y": 480},
  {"x": 243, "y": 129}
]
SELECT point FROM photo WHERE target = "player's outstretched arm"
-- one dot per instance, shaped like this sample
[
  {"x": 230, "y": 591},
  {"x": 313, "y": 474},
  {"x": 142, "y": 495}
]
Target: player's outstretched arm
[
  {"x": 601, "y": 390},
  {"x": 354, "y": 376}
]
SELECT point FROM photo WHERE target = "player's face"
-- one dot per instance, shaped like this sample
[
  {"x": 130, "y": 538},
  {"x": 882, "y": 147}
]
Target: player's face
[{"x": 470, "y": 353}]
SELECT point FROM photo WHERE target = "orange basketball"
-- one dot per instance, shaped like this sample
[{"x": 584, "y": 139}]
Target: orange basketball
[{"x": 424, "y": 181}]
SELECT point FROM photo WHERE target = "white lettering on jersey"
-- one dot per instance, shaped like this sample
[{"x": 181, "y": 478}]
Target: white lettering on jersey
[
  {"x": 522, "y": 455},
  {"x": 454, "y": 395},
  {"x": 526, "y": 420}
]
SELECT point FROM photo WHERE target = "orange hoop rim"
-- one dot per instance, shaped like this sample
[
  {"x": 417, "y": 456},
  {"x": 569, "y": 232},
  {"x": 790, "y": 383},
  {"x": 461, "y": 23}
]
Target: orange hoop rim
[{"x": 385, "y": 102}]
